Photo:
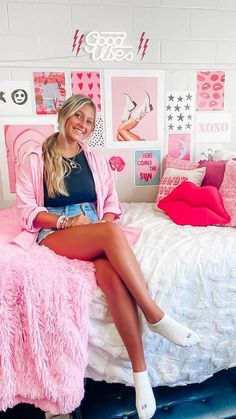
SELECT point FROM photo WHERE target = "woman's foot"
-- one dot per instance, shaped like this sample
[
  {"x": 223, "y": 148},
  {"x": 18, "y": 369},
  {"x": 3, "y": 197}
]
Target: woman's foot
[
  {"x": 145, "y": 400},
  {"x": 174, "y": 331}
]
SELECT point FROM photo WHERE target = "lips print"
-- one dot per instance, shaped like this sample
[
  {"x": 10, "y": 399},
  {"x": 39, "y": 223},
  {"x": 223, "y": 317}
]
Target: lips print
[
  {"x": 116, "y": 163},
  {"x": 195, "y": 205},
  {"x": 210, "y": 90}
]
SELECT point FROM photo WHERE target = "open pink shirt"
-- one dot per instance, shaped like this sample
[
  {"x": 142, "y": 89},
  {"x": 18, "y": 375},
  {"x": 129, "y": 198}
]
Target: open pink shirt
[{"x": 30, "y": 195}]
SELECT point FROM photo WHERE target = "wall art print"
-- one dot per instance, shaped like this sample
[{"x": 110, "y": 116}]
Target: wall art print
[
  {"x": 120, "y": 162},
  {"x": 17, "y": 139},
  {"x": 210, "y": 90},
  {"x": 213, "y": 127},
  {"x": 134, "y": 102},
  {"x": 15, "y": 98},
  {"x": 179, "y": 146},
  {"x": 147, "y": 167},
  {"x": 180, "y": 110},
  {"x": 50, "y": 92},
  {"x": 89, "y": 83}
]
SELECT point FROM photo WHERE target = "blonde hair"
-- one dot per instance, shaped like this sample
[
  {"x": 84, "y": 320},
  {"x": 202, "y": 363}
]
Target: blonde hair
[{"x": 55, "y": 167}]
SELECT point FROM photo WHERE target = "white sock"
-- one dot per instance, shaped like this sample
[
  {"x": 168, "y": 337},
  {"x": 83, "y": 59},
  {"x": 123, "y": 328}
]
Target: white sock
[
  {"x": 145, "y": 400},
  {"x": 49, "y": 415},
  {"x": 174, "y": 331}
]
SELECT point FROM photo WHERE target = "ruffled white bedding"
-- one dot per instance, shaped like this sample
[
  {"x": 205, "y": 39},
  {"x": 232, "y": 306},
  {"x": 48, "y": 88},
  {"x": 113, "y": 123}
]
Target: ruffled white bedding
[{"x": 191, "y": 273}]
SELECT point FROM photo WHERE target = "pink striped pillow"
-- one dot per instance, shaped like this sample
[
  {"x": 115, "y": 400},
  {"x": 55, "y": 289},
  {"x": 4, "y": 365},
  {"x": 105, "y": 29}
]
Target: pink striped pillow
[
  {"x": 228, "y": 191},
  {"x": 180, "y": 164}
]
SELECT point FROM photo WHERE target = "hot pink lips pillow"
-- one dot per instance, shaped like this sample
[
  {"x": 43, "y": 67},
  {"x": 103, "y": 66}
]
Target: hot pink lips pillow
[{"x": 195, "y": 205}]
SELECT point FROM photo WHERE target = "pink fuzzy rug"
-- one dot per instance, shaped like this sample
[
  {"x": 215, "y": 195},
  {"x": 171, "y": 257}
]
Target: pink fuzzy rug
[{"x": 44, "y": 302}]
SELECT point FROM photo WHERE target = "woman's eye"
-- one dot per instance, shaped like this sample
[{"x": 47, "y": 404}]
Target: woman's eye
[
  {"x": 77, "y": 115},
  {"x": 89, "y": 122}
]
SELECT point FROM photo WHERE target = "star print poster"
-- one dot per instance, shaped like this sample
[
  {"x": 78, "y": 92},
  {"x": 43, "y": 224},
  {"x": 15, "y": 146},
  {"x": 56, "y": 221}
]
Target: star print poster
[
  {"x": 15, "y": 98},
  {"x": 179, "y": 146},
  {"x": 89, "y": 83},
  {"x": 180, "y": 111}
]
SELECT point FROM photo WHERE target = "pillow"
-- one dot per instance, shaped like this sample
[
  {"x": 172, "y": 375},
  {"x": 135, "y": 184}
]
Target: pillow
[
  {"x": 174, "y": 177},
  {"x": 179, "y": 163},
  {"x": 215, "y": 170},
  {"x": 228, "y": 190},
  {"x": 194, "y": 205}
]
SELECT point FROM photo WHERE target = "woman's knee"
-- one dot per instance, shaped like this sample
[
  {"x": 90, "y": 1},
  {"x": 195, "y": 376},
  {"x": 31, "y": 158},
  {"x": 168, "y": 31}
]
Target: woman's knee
[{"x": 113, "y": 232}]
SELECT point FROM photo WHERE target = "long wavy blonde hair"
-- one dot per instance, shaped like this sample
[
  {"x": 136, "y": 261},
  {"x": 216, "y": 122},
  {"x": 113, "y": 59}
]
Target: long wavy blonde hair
[{"x": 55, "y": 167}]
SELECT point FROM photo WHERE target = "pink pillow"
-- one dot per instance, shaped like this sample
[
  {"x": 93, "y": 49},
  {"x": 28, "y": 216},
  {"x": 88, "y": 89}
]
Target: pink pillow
[
  {"x": 215, "y": 170},
  {"x": 179, "y": 163},
  {"x": 194, "y": 205},
  {"x": 174, "y": 177},
  {"x": 228, "y": 190}
]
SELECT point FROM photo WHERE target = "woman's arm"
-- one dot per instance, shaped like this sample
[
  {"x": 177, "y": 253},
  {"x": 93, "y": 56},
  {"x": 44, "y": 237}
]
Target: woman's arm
[{"x": 45, "y": 220}]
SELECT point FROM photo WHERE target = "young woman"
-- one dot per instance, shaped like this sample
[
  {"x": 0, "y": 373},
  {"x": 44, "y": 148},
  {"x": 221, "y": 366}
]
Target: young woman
[{"x": 67, "y": 202}]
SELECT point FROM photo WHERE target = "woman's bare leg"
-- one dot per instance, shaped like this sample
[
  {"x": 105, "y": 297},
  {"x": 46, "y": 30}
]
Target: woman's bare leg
[
  {"x": 124, "y": 130},
  {"x": 86, "y": 242},
  {"x": 123, "y": 310},
  {"x": 125, "y": 316}
]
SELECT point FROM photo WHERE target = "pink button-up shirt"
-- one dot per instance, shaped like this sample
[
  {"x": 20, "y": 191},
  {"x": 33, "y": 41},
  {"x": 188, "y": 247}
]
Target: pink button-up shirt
[{"x": 30, "y": 194}]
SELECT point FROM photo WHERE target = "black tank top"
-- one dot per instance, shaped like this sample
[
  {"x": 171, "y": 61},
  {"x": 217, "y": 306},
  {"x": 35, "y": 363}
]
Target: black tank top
[{"x": 79, "y": 184}]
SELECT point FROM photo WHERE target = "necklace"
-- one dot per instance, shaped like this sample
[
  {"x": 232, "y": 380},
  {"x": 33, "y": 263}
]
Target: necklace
[{"x": 72, "y": 160}]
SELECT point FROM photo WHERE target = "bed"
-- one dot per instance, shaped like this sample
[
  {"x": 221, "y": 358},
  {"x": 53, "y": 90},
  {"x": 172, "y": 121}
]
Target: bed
[{"x": 190, "y": 272}]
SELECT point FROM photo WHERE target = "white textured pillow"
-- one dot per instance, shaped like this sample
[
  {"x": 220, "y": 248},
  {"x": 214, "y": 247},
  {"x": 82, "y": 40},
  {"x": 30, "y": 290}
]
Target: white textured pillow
[{"x": 174, "y": 177}]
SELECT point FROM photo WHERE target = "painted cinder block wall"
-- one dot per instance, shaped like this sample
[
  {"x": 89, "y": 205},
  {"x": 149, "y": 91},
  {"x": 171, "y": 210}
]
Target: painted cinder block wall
[{"x": 185, "y": 36}]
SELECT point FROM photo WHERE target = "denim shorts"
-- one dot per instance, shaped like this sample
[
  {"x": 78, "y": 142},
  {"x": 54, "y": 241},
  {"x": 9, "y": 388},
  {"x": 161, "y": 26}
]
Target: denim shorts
[{"x": 72, "y": 210}]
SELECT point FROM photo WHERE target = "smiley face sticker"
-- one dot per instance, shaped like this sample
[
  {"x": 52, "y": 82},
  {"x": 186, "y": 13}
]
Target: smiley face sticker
[{"x": 19, "y": 96}]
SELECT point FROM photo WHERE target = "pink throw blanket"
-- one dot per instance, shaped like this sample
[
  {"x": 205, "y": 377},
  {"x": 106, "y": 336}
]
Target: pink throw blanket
[{"x": 44, "y": 301}]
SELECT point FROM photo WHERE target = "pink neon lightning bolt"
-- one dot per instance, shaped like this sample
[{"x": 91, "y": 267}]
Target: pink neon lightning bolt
[
  {"x": 75, "y": 39},
  {"x": 141, "y": 41},
  {"x": 79, "y": 44},
  {"x": 144, "y": 48}
]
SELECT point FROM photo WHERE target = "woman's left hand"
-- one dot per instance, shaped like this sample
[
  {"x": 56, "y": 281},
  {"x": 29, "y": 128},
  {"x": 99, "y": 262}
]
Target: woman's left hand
[{"x": 79, "y": 220}]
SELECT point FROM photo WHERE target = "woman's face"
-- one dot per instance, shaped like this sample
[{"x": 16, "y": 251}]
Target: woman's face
[{"x": 80, "y": 125}]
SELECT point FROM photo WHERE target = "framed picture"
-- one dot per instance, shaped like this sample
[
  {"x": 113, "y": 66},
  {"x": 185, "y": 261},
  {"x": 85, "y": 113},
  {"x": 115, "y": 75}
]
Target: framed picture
[
  {"x": 16, "y": 136},
  {"x": 89, "y": 83},
  {"x": 147, "y": 167},
  {"x": 134, "y": 104}
]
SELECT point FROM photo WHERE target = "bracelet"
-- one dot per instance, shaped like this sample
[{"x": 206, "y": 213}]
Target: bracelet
[
  {"x": 73, "y": 220},
  {"x": 62, "y": 222},
  {"x": 105, "y": 221}
]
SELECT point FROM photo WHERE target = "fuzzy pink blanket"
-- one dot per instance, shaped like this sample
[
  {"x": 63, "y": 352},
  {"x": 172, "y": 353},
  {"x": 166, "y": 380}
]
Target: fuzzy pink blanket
[{"x": 44, "y": 302}]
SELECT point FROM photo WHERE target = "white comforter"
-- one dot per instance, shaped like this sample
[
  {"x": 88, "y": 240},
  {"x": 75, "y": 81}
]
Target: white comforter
[{"x": 191, "y": 274}]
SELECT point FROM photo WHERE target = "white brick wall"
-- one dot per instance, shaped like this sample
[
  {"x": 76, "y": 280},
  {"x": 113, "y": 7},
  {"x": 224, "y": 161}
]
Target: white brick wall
[
  {"x": 3, "y": 18},
  {"x": 161, "y": 23},
  {"x": 99, "y": 18},
  {"x": 27, "y": 18},
  {"x": 213, "y": 24},
  {"x": 185, "y": 36},
  {"x": 201, "y": 4},
  {"x": 188, "y": 52}
]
